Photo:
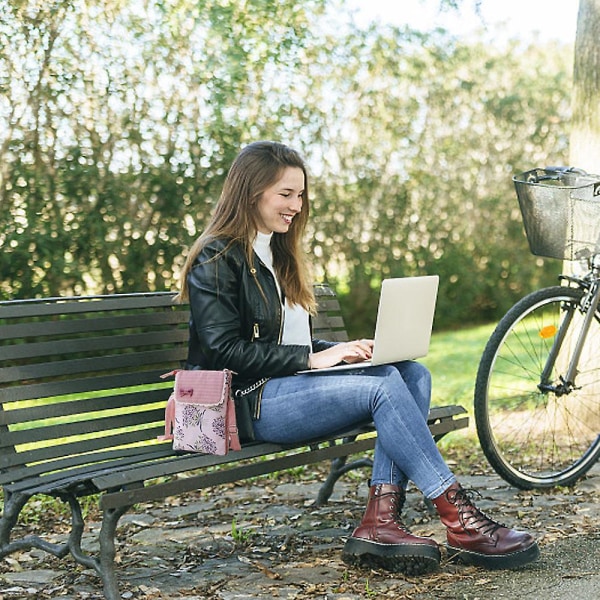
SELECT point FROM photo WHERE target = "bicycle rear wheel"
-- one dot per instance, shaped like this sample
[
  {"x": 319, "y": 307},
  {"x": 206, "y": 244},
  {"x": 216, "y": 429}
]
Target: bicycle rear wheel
[{"x": 532, "y": 436}]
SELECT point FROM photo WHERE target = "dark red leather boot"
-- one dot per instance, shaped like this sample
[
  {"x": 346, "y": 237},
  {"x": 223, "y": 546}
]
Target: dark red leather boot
[
  {"x": 478, "y": 540},
  {"x": 382, "y": 541}
]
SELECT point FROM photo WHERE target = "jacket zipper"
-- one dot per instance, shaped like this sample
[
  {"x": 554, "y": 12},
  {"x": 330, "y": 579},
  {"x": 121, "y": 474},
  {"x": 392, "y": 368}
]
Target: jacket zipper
[
  {"x": 255, "y": 336},
  {"x": 281, "y": 321}
]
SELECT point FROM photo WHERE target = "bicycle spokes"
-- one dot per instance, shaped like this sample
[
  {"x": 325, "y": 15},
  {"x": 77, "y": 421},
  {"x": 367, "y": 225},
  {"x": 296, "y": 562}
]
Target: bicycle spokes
[{"x": 537, "y": 427}]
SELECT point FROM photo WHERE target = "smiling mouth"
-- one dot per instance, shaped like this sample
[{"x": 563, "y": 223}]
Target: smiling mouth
[{"x": 287, "y": 218}]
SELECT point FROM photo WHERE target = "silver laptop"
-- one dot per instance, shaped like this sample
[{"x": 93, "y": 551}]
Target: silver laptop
[{"x": 404, "y": 322}]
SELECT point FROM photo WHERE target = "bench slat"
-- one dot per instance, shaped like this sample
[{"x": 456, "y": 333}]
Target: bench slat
[
  {"x": 73, "y": 467},
  {"x": 93, "y": 364},
  {"x": 326, "y": 322},
  {"x": 138, "y": 419},
  {"x": 87, "y": 447},
  {"x": 204, "y": 480},
  {"x": 328, "y": 304},
  {"x": 83, "y": 385},
  {"x": 108, "y": 342},
  {"x": 111, "y": 322},
  {"x": 134, "y": 465},
  {"x": 109, "y": 401},
  {"x": 36, "y": 307},
  {"x": 148, "y": 463},
  {"x": 340, "y": 336},
  {"x": 76, "y": 473}
]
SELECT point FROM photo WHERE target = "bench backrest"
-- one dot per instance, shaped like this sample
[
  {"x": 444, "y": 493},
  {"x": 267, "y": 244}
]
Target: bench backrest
[{"x": 80, "y": 377}]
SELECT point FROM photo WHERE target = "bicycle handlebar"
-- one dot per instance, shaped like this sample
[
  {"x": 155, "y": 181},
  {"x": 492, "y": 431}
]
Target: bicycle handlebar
[{"x": 557, "y": 173}]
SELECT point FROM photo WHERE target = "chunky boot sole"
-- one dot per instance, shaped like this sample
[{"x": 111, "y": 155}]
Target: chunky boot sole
[
  {"x": 409, "y": 559},
  {"x": 501, "y": 561}
]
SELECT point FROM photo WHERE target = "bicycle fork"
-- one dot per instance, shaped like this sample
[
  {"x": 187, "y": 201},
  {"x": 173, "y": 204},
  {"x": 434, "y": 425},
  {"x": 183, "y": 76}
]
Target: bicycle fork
[{"x": 567, "y": 382}]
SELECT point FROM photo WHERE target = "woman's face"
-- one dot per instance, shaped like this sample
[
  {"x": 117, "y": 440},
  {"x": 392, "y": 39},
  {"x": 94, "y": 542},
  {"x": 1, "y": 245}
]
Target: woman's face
[{"x": 281, "y": 202}]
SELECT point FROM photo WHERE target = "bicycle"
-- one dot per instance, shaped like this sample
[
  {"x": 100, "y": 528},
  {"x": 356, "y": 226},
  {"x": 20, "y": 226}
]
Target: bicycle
[{"x": 537, "y": 392}]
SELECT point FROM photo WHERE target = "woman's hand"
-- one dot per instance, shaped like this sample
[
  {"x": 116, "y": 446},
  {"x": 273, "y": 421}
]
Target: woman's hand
[{"x": 356, "y": 351}]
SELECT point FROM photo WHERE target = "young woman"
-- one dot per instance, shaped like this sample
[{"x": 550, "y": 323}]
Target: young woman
[{"x": 251, "y": 298}]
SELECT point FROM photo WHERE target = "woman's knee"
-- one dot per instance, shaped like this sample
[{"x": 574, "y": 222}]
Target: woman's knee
[
  {"x": 391, "y": 384},
  {"x": 416, "y": 376},
  {"x": 412, "y": 370},
  {"x": 412, "y": 382}
]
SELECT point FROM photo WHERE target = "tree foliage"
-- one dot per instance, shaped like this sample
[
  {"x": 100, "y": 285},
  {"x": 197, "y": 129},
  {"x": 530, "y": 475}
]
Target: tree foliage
[
  {"x": 121, "y": 118},
  {"x": 422, "y": 163}
]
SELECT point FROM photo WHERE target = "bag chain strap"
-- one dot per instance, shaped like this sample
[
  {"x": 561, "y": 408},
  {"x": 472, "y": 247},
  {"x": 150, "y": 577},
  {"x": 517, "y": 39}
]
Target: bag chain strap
[{"x": 252, "y": 388}]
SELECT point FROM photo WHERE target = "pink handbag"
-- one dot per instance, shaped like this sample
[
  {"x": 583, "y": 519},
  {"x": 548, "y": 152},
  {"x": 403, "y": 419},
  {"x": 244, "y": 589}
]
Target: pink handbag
[{"x": 200, "y": 413}]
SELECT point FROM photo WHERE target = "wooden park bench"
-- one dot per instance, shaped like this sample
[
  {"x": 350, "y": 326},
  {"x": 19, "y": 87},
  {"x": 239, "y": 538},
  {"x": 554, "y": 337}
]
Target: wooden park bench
[{"x": 82, "y": 404}]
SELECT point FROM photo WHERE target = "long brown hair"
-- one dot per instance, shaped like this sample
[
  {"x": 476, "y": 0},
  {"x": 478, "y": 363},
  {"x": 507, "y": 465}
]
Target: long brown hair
[{"x": 257, "y": 167}]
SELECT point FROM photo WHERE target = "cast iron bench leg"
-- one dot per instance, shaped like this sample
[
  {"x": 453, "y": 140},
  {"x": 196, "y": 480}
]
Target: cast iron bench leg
[
  {"x": 105, "y": 563},
  {"x": 13, "y": 504},
  {"x": 337, "y": 469}
]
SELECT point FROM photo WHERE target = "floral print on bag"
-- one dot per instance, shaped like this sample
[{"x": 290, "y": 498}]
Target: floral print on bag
[{"x": 200, "y": 413}]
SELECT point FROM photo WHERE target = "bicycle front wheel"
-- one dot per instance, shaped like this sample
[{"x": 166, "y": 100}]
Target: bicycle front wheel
[{"x": 535, "y": 433}]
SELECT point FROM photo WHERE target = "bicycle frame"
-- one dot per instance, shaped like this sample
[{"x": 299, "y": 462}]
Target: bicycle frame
[
  {"x": 547, "y": 435},
  {"x": 589, "y": 306}
]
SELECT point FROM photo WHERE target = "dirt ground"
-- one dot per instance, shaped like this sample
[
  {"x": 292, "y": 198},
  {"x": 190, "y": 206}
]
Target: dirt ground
[{"x": 265, "y": 539}]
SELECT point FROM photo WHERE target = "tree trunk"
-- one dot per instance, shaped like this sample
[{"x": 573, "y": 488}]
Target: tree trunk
[{"x": 585, "y": 132}]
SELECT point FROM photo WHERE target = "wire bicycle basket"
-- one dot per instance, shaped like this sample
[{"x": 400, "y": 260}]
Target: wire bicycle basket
[{"x": 561, "y": 212}]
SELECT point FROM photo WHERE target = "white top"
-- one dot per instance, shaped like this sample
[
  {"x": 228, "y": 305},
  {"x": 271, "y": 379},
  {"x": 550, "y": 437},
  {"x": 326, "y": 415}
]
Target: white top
[{"x": 296, "y": 328}]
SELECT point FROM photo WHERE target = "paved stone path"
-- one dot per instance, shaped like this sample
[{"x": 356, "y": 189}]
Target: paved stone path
[{"x": 267, "y": 541}]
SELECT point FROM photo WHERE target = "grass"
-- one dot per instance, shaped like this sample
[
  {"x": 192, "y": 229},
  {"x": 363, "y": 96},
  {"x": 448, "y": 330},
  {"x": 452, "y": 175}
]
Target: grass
[{"x": 453, "y": 360}]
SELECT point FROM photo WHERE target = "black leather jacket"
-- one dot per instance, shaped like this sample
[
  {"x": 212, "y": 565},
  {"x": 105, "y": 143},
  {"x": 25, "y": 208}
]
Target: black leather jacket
[{"x": 236, "y": 326}]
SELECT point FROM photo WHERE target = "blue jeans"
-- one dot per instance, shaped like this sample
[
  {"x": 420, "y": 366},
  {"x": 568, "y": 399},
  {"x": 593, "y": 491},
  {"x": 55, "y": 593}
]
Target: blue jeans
[{"x": 394, "y": 397}]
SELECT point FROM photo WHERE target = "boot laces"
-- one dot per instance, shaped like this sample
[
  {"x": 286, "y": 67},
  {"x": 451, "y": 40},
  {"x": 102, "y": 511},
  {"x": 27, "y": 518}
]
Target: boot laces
[
  {"x": 471, "y": 516},
  {"x": 396, "y": 505}
]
